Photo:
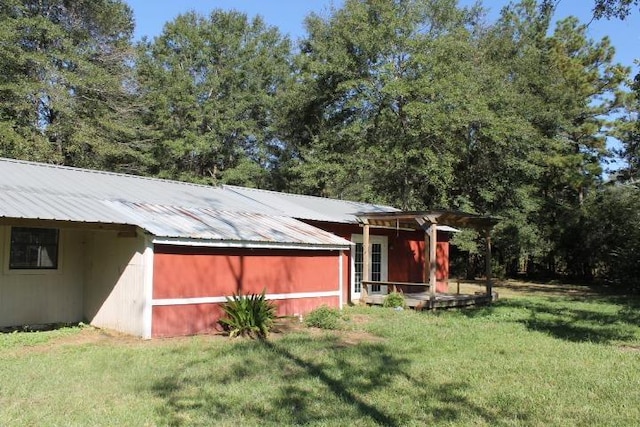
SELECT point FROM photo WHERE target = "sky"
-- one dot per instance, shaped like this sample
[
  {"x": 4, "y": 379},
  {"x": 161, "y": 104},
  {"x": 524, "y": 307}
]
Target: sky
[{"x": 288, "y": 16}]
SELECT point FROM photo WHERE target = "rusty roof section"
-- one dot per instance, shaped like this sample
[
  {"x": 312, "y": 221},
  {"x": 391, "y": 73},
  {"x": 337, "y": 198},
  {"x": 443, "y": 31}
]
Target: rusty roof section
[{"x": 175, "y": 222}]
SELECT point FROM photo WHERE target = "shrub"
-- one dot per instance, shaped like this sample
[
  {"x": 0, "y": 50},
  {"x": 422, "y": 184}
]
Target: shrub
[
  {"x": 323, "y": 317},
  {"x": 248, "y": 315},
  {"x": 393, "y": 300}
]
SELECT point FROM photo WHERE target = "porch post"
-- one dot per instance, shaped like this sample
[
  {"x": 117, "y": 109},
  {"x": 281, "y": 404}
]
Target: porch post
[
  {"x": 426, "y": 268},
  {"x": 366, "y": 262},
  {"x": 487, "y": 257},
  {"x": 433, "y": 262}
]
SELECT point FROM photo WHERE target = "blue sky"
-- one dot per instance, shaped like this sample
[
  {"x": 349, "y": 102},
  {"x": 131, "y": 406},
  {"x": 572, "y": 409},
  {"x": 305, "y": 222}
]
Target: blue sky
[{"x": 288, "y": 15}]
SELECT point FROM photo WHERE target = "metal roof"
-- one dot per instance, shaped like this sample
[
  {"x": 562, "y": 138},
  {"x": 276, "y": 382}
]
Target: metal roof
[
  {"x": 39, "y": 178},
  {"x": 310, "y": 207},
  {"x": 211, "y": 224},
  {"x": 169, "y": 208}
]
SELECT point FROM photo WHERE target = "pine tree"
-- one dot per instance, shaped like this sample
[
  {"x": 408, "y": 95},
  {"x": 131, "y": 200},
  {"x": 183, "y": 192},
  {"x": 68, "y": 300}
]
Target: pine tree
[{"x": 65, "y": 83}]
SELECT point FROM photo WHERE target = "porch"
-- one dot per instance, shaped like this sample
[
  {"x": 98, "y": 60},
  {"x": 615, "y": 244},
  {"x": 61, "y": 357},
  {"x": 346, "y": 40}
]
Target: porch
[
  {"x": 418, "y": 297},
  {"x": 427, "y": 294}
]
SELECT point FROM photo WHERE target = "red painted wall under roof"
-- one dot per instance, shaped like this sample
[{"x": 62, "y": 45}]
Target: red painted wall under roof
[
  {"x": 192, "y": 272},
  {"x": 188, "y": 272}
]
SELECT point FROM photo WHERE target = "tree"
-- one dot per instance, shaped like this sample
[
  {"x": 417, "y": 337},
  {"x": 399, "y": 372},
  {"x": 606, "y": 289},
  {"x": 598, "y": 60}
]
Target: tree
[
  {"x": 607, "y": 9},
  {"x": 612, "y": 235},
  {"x": 568, "y": 84},
  {"x": 614, "y": 8},
  {"x": 376, "y": 84},
  {"x": 627, "y": 130},
  {"x": 64, "y": 82},
  {"x": 211, "y": 84}
]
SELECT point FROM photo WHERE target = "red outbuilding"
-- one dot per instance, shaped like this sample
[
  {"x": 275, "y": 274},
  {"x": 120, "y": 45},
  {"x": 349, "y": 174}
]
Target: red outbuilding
[{"x": 154, "y": 258}]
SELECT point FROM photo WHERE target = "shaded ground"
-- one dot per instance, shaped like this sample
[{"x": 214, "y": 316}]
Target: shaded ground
[{"x": 514, "y": 288}]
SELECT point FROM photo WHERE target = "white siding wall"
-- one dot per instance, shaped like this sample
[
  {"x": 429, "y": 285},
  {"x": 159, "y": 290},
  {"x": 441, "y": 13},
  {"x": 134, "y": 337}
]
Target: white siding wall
[
  {"x": 45, "y": 296},
  {"x": 114, "y": 293}
]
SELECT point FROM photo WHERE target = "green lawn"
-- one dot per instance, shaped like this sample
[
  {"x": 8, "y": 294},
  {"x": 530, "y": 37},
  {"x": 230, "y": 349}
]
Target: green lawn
[{"x": 534, "y": 358}]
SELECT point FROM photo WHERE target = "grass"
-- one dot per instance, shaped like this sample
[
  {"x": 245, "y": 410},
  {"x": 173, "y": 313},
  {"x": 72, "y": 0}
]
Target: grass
[{"x": 533, "y": 358}]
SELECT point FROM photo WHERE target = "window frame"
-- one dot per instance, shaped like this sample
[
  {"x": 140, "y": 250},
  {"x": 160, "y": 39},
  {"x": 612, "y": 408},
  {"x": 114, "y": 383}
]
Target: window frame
[
  {"x": 383, "y": 241},
  {"x": 8, "y": 247}
]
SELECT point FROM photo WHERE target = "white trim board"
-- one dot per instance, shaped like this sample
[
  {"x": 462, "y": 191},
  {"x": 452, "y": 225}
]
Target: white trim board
[
  {"x": 247, "y": 244},
  {"x": 340, "y": 280},
  {"x": 147, "y": 313},
  {"x": 218, "y": 300}
]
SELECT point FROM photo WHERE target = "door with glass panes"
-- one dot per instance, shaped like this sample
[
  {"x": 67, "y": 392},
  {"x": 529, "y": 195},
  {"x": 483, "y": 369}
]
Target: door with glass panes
[{"x": 378, "y": 264}]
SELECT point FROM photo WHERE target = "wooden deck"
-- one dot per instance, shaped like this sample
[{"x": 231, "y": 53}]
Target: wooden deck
[{"x": 425, "y": 301}]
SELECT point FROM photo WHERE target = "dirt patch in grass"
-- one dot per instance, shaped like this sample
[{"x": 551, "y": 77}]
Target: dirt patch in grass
[
  {"x": 90, "y": 335},
  {"x": 287, "y": 324},
  {"x": 359, "y": 319},
  {"x": 630, "y": 348},
  {"x": 517, "y": 288},
  {"x": 350, "y": 338},
  {"x": 100, "y": 337},
  {"x": 345, "y": 337},
  {"x": 83, "y": 336},
  {"x": 94, "y": 336}
]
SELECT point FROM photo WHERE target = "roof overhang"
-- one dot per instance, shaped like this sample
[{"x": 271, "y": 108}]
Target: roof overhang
[
  {"x": 417, "y": 220},
  {"x": 250, "y": 244},
  {"x": 63, "y": 223}
]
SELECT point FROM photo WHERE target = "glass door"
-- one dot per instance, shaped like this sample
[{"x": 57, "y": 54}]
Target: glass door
[{"x": 378, "y": 264}]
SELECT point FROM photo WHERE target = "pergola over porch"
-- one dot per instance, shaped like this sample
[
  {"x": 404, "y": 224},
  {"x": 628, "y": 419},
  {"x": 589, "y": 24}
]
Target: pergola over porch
[{"x": 429, "y": 221}]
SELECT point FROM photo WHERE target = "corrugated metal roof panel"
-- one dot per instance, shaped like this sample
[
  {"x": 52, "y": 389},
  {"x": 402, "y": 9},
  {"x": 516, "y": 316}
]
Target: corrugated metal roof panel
[
  {"x": 310, "y": 207},
  {"x": 37, "y": 178},
  {"x": 58, "y": 208},
  {"x": 211, "y": 224}
]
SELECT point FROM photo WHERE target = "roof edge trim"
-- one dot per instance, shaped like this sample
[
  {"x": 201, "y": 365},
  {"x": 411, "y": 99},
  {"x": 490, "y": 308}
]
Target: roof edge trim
[{"x": 235, "y": 244}]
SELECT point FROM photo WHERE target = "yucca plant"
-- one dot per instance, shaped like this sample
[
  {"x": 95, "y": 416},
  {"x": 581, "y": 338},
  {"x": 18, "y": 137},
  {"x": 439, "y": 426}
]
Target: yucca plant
[{"x": 248, "y": 315}]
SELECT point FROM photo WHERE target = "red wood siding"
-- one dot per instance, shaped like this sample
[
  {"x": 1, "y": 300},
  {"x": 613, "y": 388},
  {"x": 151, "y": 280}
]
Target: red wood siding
[
  {"x": 191, "y": 319},
  {"x": 184, "y": 272},
  {"x": 175, "y": 320}
]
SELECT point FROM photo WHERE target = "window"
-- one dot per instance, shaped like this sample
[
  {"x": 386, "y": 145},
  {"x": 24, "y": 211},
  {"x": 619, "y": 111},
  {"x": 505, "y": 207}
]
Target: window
[
  {"x": 358, "y": 265},
  {"x": 376, "y": 266},
  {"x": 33, "y": 248}
]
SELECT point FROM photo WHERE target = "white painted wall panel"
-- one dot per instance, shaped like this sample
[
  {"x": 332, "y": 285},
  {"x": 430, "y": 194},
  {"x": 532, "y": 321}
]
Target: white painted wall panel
[
  {"x": 114, "y": 294},
  {"x": 43, "y": 296}
]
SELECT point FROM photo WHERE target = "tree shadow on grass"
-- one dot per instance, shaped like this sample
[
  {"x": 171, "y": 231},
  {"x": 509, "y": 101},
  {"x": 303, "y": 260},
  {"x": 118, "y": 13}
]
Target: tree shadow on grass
[
  {"x": 347, "y": 388},
  {"x": 602, "y": 320},
  {"x": 308, "y": 380}
]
